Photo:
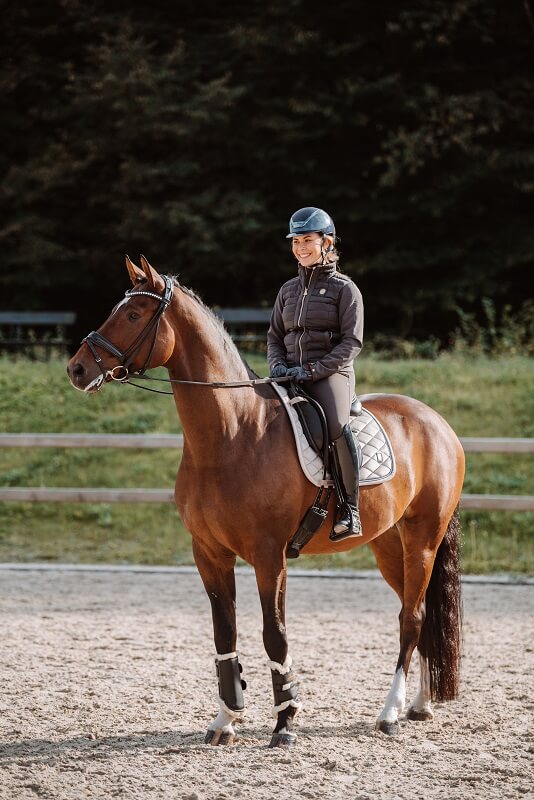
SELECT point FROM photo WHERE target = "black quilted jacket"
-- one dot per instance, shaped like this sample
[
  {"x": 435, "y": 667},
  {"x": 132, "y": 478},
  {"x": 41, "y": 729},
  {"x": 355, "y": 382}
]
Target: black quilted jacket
[{"x": 317, "y": 320}]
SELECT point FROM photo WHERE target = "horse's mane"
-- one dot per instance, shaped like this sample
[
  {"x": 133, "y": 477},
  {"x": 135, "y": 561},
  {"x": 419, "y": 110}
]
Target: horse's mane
[{"x": 227, "y": 342}]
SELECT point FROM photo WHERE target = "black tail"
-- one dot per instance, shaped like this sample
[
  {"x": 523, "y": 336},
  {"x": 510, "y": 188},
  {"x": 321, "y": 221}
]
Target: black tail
[{"x": 441, "y": 634}]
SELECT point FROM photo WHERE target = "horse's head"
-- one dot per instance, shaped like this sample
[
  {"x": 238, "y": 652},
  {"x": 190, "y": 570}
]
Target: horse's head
[{"x": 134, "y": 337}]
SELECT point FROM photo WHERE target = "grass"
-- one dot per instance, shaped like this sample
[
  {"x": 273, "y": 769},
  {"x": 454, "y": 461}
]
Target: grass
[{"x": 479, "y": 397}]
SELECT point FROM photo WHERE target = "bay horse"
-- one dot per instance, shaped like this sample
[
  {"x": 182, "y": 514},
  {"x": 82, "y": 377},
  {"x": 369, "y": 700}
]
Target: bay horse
[{"x": 240, "y": 491}]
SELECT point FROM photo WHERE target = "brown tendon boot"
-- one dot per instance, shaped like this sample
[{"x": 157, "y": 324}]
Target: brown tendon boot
[{"x": 349, "y": 525}]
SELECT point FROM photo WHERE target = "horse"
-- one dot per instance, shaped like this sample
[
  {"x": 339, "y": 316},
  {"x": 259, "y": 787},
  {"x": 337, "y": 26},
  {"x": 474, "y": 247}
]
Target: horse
[{"x": 240, "y": 491}]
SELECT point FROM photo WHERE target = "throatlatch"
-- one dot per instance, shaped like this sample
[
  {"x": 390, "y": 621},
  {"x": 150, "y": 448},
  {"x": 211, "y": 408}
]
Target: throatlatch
[{"x": 231, "y": 685}]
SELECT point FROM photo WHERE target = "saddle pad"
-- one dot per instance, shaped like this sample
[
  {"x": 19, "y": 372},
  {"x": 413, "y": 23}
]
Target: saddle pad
[{"x": 378, "y": 462}]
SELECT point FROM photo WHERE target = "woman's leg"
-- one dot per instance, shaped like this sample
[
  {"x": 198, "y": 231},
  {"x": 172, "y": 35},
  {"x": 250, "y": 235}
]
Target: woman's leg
[{"x": 335, "y": 395}]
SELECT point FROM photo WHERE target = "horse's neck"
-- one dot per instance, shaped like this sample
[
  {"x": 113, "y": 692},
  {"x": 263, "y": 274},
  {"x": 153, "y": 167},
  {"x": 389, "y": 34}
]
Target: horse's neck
[{"x": 204, "y": 352}]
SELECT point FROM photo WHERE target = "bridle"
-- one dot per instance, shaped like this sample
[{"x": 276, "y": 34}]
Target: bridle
[{"x": 121, "y": 371}]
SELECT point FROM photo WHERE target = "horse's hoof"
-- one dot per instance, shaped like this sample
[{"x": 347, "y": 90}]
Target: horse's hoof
[
  {"x": 219, "y": 737},
  {"x": 389, "y": 728},
  {"x": 419, "y": 716},
  {"x": 283, "y": 740}
]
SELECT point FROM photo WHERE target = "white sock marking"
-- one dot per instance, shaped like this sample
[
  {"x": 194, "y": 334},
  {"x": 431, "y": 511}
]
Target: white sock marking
[
  {"x": 396, "y": 698},
  {"x": 421, "y": 701}
]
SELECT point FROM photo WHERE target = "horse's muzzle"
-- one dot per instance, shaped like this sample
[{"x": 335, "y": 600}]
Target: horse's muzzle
[{"x": 82, "y": 378}]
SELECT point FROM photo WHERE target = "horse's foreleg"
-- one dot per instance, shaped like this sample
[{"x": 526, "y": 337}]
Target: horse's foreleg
[
  {"x": 217, "y": 572},
  {"x": 271, "y": 580}
]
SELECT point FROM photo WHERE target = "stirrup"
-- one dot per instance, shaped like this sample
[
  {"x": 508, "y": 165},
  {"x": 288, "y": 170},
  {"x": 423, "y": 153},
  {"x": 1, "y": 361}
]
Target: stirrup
[{"x": 348, "y": 527}]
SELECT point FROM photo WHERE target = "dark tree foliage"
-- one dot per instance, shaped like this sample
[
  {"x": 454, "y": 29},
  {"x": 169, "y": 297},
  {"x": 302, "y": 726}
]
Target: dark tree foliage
[{"x": 191, "y": 131}]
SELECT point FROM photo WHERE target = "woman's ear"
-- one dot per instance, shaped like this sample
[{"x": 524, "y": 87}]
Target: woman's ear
[{"x": 328, "y": 243}]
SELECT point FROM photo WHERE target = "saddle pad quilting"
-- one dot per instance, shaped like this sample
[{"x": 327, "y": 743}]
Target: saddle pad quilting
[{"x": 378, "y": 462}]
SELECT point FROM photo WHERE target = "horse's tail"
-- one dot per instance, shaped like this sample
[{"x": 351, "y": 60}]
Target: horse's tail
[{"x": 441, "y": 633}]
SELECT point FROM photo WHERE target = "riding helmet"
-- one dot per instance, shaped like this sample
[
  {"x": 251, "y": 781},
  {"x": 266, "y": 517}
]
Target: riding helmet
[{"x": 310, "y": 220}]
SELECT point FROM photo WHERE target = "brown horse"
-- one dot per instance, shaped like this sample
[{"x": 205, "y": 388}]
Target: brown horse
[{"x": 241, "y": 492}]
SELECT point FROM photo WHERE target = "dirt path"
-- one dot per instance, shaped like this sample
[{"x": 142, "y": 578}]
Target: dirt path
[{"x": 108, "y": 686}]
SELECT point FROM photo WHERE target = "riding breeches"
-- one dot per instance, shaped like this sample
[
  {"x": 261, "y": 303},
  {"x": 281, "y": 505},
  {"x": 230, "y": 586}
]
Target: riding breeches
[{"x": 334, "y": 394}]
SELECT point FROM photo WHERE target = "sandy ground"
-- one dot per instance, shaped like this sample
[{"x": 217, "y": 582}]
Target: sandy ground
[{"x": 108, "y": 686}]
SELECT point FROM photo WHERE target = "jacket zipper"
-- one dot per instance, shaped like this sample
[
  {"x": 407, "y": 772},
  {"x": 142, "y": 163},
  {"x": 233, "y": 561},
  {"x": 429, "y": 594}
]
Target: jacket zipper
[{"x": 300, "y": 313}]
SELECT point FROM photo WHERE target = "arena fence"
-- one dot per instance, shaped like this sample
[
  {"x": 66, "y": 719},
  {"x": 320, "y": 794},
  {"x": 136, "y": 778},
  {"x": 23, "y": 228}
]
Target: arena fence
[{"x": 481, "y": 502}]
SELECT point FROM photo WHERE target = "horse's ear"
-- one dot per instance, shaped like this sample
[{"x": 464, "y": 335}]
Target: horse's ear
[
  {"x": 136, "y": 274},
  {"x": 153, "y": 277}
]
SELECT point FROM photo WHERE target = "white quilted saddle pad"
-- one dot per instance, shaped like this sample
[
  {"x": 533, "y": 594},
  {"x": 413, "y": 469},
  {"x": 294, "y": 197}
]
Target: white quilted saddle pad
[{"x": 378, "y": 462}]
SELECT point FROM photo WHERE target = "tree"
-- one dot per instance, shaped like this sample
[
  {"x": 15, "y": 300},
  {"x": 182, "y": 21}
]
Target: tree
[{"x": 191, "y": 133}]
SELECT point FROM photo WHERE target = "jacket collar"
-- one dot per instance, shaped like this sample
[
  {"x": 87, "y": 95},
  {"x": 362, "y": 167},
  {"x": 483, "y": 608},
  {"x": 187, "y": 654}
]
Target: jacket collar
[{"x": 323, "y": 270}]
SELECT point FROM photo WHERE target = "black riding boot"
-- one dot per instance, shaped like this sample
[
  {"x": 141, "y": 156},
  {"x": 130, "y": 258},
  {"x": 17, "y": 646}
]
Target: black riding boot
[{"x": 349, "y": 524}]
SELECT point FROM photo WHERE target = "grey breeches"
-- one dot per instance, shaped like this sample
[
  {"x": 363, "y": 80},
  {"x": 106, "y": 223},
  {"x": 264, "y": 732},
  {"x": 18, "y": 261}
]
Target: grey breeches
[{"x": 335, "y": 395}]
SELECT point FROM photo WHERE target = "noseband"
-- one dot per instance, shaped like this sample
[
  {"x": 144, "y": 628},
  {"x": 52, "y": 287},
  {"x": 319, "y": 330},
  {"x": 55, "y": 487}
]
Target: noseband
[{"x": 127, "y": 357}]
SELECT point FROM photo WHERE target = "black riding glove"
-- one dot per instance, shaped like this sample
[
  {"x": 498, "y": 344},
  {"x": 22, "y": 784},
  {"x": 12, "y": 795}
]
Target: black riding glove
[
  {"x": 299, "y": 374},
  {"x": 278, "y": 371}
]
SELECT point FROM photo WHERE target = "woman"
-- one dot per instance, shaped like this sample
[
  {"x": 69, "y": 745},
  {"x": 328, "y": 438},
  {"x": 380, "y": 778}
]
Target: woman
[{"x": 316, "y": 332}]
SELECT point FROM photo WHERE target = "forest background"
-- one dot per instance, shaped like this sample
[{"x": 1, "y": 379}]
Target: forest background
[{"x": 190, "y": 131}]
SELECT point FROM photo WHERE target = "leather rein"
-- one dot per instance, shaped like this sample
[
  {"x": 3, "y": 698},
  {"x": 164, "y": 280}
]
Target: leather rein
[{"x": 121, "y": 372}]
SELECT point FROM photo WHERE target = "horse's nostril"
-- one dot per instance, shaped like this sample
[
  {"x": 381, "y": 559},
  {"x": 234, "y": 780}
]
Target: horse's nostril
[{"x": 78, "y": 369}]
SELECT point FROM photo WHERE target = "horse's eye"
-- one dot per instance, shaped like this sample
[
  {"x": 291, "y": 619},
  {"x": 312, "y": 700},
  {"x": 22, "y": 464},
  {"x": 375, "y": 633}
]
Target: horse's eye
[{"x": 133, "y": 315}]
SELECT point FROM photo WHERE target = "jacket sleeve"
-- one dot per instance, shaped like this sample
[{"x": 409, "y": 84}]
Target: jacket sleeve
[
  {"x": 276, "y": 351},
  {"x": 351, "y": 333}
]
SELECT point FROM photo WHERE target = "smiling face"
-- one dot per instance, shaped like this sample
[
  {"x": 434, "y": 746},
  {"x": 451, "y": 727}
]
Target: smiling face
[{"x": 307, "y": 248}]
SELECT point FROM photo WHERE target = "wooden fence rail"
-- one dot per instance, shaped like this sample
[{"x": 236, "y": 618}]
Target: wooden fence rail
[
  {"x": 41, "y": 494},
  {"x": 160, "y": 440},
  {"x": 481, "y": 502}
]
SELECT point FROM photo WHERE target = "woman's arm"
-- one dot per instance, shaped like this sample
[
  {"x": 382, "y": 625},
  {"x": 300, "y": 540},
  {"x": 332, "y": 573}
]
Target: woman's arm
[{"x": 351, "y": 332}]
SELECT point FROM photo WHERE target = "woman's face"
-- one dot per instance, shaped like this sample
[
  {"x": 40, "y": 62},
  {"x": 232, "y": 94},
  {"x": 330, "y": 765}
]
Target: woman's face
[{"x": 307, "y": 248}]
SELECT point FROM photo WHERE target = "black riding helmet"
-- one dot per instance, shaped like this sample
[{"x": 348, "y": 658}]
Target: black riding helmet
[{"x": 310, "y": 220}]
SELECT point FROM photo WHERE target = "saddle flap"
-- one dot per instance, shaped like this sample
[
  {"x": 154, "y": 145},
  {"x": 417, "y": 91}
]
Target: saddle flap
[{"x": 309, "y": 419}]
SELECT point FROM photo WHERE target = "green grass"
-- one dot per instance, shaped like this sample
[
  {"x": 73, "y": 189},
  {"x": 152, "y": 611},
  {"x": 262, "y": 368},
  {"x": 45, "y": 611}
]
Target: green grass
[{"x": 479, "y": 397}]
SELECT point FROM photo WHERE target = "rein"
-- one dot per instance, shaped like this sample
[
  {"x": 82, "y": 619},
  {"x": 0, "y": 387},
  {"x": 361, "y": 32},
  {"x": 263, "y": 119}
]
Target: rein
[
  {"x": 96, "y": 339},
  {"x": 214, "y": 385}
]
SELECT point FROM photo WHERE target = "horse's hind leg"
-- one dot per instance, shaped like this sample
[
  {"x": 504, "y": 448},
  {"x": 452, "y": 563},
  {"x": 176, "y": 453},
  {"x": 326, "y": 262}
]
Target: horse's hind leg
[
  {"x": 217, "y": 572},
  {"x": 271, "y": 580},
  {"x": 420, "y": 709},
  {"x": 417, "y": 551},
  {"x": 389, "y": 555}
]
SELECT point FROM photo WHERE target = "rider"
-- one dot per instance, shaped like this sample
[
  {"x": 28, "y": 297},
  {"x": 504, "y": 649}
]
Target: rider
[{"x": 316, "y": 332}]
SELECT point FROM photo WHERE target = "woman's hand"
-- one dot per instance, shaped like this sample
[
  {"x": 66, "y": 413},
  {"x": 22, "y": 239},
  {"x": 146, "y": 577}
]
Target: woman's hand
[
  {"x": 299, "y": 374},
  {"x": 278, "y": 371}
]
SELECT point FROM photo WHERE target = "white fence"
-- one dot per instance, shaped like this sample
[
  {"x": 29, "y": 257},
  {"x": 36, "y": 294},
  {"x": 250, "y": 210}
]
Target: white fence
[{"x": 481, "y": 502}]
